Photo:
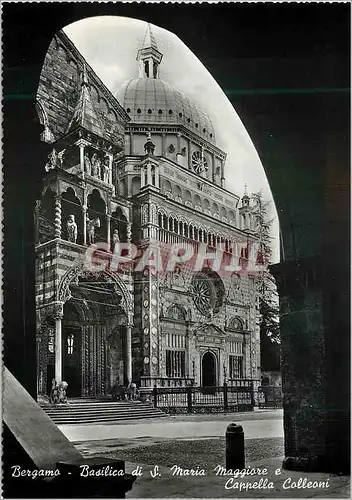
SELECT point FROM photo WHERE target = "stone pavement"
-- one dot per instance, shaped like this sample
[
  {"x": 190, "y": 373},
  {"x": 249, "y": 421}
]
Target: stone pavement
[
  {"x": 255, "y": 425},
  {"x": 262, "y": 430}
]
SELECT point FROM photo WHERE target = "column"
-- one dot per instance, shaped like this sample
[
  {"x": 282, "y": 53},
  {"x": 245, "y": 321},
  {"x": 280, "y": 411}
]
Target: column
[
  {"x": 129, "y": 237},
  {"x": 81, "y": 157},
  {"x": 110, "y": 167},
  {"x": 178, "y": 150},
  {"x": 58, "y": 345},
  {"x": 108, "y": 229},
  {"x": 84, "y": 212},
  {"x": 149, "y": 174},
  {"x": 189, "y": 156},
  {"x": 142, "y": 176},
  {"x": 131, "y": 143},
  {"x": 129, "y": 352},
  {"x": 157, "y": 178},
  {"x": 222, "y": 174},
  {"x": 213, "y": 167},
  {"x": 163, "y": 144},
  {"x": 58, "y": 217}
]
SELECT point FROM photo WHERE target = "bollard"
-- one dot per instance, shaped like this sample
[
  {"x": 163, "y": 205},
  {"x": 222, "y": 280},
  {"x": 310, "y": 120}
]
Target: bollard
[{"x": 234, "y": 447}]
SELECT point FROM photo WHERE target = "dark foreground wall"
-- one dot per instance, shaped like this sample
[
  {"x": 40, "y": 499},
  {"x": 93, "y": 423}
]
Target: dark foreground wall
[{"x": 285, "y": 68}]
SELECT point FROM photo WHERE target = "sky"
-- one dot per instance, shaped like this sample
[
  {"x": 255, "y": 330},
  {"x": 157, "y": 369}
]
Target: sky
[{"x": 110, "y": 44}]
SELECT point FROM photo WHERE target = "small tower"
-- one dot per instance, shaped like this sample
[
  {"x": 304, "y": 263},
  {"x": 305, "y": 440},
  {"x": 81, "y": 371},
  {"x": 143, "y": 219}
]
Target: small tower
[
  {"x": 245, "y": 211},
  {"x": 149, "y": 166},
  {"x": 245, "y": 197},
  {"x": 149, "y": 57}
]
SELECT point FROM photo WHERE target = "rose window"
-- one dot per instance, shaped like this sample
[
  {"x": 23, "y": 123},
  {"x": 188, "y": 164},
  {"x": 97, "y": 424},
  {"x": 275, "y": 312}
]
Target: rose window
[
  {"x": 204, "y": 294},
  {"x": 208, "y": 292},
  {"x": 199, "y": 163}
]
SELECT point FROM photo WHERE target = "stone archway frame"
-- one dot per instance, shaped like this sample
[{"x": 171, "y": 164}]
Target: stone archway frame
[
  {"x": 72, "y": 275},
  {"x": 216, "y": 356}
]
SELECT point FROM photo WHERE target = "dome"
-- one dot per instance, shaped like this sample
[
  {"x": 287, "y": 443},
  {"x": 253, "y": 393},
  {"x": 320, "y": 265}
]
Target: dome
[{"x": 153, "y": 101}]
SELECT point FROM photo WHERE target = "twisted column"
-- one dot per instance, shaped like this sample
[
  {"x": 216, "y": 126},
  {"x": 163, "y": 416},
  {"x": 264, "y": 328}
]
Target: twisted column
[{"x": 58, "y": 221}]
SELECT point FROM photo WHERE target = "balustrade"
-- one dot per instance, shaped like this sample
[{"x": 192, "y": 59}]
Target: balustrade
[{"x": 150, "y": 382}]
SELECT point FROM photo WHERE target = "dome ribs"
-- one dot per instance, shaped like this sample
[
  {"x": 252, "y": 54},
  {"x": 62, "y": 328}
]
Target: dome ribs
[{"x": 154, "y": 94}]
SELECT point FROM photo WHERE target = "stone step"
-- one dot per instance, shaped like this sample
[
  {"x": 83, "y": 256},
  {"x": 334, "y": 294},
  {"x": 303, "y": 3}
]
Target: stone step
[
  {"x": 99, "y": 407},
  {"x": 99, "y": 412}
]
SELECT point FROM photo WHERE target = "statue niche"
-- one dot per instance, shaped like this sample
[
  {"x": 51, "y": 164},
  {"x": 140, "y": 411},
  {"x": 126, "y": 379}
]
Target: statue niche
[{"x": 71, "y": 228}]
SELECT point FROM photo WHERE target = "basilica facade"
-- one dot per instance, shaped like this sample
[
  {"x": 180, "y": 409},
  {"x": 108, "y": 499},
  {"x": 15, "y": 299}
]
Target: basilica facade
[{"x": 141, "y": 169}]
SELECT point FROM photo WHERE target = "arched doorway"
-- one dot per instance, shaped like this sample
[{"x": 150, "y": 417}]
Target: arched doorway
[
  {"x": 208, "y": 370},
  {"x": 71, "y": 349}
]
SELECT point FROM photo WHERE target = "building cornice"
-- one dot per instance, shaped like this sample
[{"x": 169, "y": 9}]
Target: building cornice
[{"x": 176, "y": 128}]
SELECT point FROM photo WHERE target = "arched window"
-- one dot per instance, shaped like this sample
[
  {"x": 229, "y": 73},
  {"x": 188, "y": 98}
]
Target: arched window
[
  {"x": 236, "y": 324},
  {"x": 70, "y": 343},
  {"x": 176, "y": 312}
]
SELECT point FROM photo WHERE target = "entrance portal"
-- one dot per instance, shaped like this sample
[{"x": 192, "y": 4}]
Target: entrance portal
[
  {"x": 208, "y": 370},
  {"x": 72, "y": 360}
]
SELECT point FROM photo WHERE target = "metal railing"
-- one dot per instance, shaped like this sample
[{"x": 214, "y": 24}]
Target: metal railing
[
  {"x": 150, "y": 382},
  {"x": 192, "y": 399},
  {"x": 220, "y": 399}
]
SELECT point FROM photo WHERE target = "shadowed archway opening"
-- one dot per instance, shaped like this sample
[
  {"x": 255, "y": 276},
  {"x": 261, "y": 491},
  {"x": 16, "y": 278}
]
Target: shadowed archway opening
[{"x": 208, "y": 371}]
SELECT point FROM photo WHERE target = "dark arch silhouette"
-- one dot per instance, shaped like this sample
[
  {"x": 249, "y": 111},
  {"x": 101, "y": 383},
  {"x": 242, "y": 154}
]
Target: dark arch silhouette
[{"x": 296, "y": 110}]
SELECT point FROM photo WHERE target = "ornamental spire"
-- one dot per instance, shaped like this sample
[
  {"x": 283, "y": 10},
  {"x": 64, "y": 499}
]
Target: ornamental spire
[
  {"x": 245, "y": 197},
  {"x": 84, "y": 114},
  {"x": 148, "y": 56}
]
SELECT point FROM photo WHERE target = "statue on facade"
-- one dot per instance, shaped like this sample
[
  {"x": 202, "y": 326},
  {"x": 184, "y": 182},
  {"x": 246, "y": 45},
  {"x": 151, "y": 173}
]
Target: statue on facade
[
  {"x": 52, "y": 160},
  {"x": 105, "y": 168},
  {"x": 115, "y": 237},
  {"x": 177, "y": 277},
  {"x": 53, "y": 393},
  {"x": 87, "y": 164},
  {"x": 60, "y": 158},
  {"x": 96, "y": 166},
  {"x": 149, "y": 146},
  {"x": 61, "y": 392},
  {"x": 71, "y": 227},
  {"x": 91, "y": 225}
]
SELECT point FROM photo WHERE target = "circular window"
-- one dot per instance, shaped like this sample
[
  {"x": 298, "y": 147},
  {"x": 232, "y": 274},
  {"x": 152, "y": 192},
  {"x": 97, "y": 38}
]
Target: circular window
[
  {"x": 196, "y": 125},
  {"x": 170, "y": 111},
  {"x": 160, "y": 111},
  {"x": 188, "y": 120},
  {"x": 211, "y": 135},
  {"x": 204, "y": 130},
  {"x": 128, "y": 110},
  {"x": 199, "y": 163},
  {"x": 208, "y": 292},
  {"x": 180, "y": 115},
  {"x": 149, "y": 111},
  {"x": 139, "y": 111},
  {"x": 203, "y": 294}
]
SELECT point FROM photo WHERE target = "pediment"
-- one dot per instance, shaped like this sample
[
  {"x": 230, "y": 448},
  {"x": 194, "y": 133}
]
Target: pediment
[{"x": 210, "y": 329}]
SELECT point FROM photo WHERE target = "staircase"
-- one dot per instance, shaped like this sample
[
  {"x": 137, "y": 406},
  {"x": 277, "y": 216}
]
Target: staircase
[{"x": 85, "y": 411}]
